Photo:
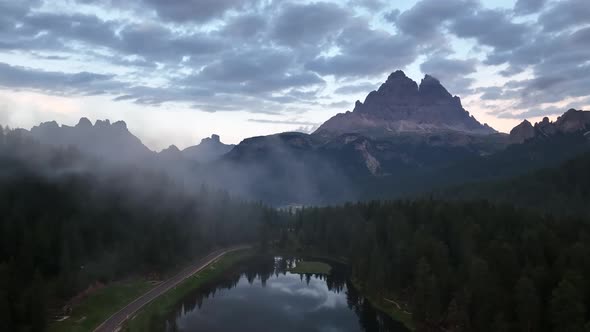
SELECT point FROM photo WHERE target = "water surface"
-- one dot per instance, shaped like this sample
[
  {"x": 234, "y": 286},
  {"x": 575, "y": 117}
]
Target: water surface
[{"x": 261, "y": 295}]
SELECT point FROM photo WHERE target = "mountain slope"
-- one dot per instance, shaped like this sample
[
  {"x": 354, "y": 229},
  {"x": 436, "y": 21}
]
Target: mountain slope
[{"x": 563, "y": 190}]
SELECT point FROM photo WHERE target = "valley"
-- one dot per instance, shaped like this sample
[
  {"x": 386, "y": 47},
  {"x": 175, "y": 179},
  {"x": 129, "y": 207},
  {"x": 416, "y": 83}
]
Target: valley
[{"x": 447, "y": 211}]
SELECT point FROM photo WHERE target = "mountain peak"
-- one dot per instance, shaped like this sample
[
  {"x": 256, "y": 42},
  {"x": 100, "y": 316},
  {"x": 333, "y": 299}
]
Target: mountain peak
[
  {"x": 49, "y": 125},
  {"x": 120, "y": 125},
  {"x": 401, "y": 106},
  {"x": 84, "y": 123},
  {"x": 209, "y": 149},
  {"x": 396, "y": 75},
  {"x": 428, "y": 79},
  {"x": 522, "y": 132},
  {"x": 172, "y": 148},
  {"x": 213, "y": 139},
  {"x": 571, "y": 121},
  {"x": 102, "y": 123},
  {"x": 430, "y": 87}
]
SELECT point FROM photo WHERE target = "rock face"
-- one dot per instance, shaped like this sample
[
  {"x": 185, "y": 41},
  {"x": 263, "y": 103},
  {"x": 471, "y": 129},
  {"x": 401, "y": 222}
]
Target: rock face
[
  {"x": 400, "y": 106},
  {"x": 209, "y": 149},
  {"x": 573, "y": 121},
  {"x": 570, "y": 122},
  {"x": 522, "y": 132},
  {"x": 103, "y": 139}
]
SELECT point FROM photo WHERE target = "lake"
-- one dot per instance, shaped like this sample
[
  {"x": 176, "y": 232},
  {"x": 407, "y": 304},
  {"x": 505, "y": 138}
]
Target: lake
[{"x": 262, "y": 295}]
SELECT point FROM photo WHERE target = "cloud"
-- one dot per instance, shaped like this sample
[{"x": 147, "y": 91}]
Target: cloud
[
  {"x": 245, "y": 26},
  {"x": 491, "y": 28},
  {"x": 366, "y": 52},
  {"x": 288, "y": 122},
  {"x": 526, "y": 7},
  {"x": 365, "y": 87},
  {"x": 276, "y": 57},
  {"x": 14, "y": 77},
  {"x": 451, "y": 72},
  {"x": 308, "y": 24},
  {"x": 534, "y": 112},
  {"x": 564, "y": 14},
  {"x": 254, "y": 72},
  {"x": 426, "y": 17}
]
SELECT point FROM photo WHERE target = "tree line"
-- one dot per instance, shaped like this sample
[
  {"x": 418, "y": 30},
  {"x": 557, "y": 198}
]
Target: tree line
[
  {"x": 459, "y": 266},
  {"x": 65, "y": 225}
]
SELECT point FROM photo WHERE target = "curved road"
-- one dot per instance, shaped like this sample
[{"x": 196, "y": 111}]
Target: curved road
[{"x": 114, "y": 322}]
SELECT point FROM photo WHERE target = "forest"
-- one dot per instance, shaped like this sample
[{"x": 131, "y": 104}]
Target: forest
[
  {"x": 563, "y": 190},
  {"x": 510, "y": 255},
  {"x": 64, "y": 226},
  {"x": 459, "y": 266}
]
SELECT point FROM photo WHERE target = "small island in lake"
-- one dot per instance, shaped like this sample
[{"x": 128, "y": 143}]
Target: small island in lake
[{"x": 304, "y": 267}]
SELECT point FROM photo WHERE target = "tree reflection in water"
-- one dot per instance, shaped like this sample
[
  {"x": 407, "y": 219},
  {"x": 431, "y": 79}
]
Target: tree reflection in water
[{"x": 262, "y": 294}]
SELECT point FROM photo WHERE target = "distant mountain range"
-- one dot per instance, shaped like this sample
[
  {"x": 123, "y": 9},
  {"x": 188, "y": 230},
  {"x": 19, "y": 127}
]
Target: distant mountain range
[
  {"x": 403, "y": 139},
  {"x": 115, "y": 143}
]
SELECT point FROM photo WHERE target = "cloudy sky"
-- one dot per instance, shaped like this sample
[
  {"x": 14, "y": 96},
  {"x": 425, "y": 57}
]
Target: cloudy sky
[{"x": 179, "y": 70}]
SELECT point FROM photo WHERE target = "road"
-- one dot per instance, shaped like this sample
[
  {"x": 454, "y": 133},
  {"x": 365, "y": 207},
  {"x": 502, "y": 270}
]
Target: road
[{"x": 114, "y": 322}]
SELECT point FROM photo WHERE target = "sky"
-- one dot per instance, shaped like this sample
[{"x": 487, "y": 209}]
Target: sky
[{"x": 179, "y": 70}]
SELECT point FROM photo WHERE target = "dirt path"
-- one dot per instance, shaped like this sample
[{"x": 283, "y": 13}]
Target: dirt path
[{"x": 114, "y": 322}]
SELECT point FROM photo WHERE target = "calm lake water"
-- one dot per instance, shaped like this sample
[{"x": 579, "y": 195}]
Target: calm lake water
[{"x": 261, "y": 295}]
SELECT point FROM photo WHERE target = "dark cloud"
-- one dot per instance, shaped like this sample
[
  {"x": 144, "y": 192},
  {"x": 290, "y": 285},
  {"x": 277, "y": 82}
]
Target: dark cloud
[
  {"x": 140, "y": 40},
  {"x": 526, "y": 7},
  {"x": 15, "y": 77},
  {"x": 426, "y": 17},
  {"x": 308, "y": 24},
  {"x": 392, "y": 16},
  {"x": 428, "y": 20},
  {"x": 366, "y": 52},
  {"x": 565, "y": 14},
  {"x": 246, "y": 26},
  {"x": 451, "y": 72},
  {"x": 491, "y": 28},
  {"x": 254, "y": 72},
  {"x": 272, "y": 56},
  {"x": 79, "y": 27}
]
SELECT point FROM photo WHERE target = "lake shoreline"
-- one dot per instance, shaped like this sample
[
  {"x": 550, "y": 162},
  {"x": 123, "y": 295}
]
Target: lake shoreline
[{"x": 387, "y": 308}]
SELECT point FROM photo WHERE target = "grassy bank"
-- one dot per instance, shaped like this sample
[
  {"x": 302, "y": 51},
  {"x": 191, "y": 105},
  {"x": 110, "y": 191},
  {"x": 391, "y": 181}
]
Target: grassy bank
[
  {"x": 100, "y": 305},
  {"x": 311, "y": 267},
  {"x": 389, "y": 308},
  {"x": 163, "y": 305}
]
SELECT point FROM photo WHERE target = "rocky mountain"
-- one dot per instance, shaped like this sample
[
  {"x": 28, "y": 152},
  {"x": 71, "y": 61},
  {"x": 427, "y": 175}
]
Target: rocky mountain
[
  {"x": 403, "y": 139},
  {"x": 171, "y": 153},
  {"x": 329, "y": 167},
  {"x": 522, "y": 132},
  {"x": 114, "y": 142},
  {"x": 570, "y": 122},
  {"x": 401, "y": 106},
  {"x": 111, "y": 141},
  {"x": 209, "y": 149}
]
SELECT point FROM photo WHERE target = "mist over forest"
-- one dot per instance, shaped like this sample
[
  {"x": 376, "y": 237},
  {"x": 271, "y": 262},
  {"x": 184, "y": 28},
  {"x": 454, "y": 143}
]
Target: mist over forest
[{"x": 282, "y": 165}]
